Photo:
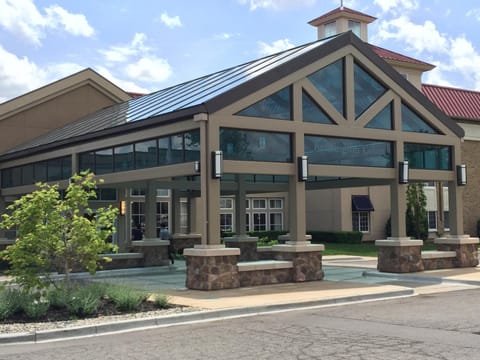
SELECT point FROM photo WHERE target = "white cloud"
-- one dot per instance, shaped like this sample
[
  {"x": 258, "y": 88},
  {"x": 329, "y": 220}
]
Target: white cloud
[
  {"x": 225, "y": 36},
  {"x": 170, "y": 21},
  {"x": 123, "y": 84},
  {"x": 149, "y": 69},
  {"x": 419, "y": 38},
  {"x": 122, "y": 53},
  {"x": 276, "y": 46},
  {"x": 276, "y": 4},
  {"x": 475, "y": 13},
  {"x": 437, "y": 76},
  {"x": 22, "y": 18},
  {"x": 465, "y": 59},
  {"x": 396, "y": 6}
]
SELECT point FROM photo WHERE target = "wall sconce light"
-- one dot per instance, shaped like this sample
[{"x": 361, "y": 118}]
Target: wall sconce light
[
  {"x": 403, "y": 172},
  {"x": 196, "y": 166},
  {"x": 217, "y": 162},
  {"x": 462, "y": 175},
  {"x": 302, "y": 163},
  {"x": 123, "y": 207}
]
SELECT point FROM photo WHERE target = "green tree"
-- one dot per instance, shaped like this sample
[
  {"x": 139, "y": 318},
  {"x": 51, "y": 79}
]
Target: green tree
[
  {"x": 57, "y": 233},
  {"x": 416, "y": 216}
]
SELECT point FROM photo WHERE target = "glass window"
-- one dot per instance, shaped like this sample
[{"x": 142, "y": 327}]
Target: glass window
[
  {"x": 276, "y": 203},
  {"x": 54, "y": 169},
  {"x": 361, "y": 221},
  {"x": 27, "y": 174},
  {"x": 330, "y": 82},
  {"x": 164, "y": 151},
  {"x": 138, "y": 213},
  {"x": 176, "y": 151},
  {"x": 344, "y": 151},
  {"x": 104, "y": 161},
  {"x": 123, "y": 157},
  {"x": 137, "y": 192},
  {"x": 86, "y": 161},
  {"x": 330, "y": 29},
  {"x": 245, "y": 145},
  {"x": 40, "y": 171},
  {"x": 412, "y": 122},
  {"x": 226, "y": 222},
  {"x": 383, "y": 120},
  {"x": 7, "y": 178},
  {"x": 66, "y": 167},
  {"x": 226, "y": 203},
  {"x": 163, "y": 192},
  {"x": 432, "y": 220},
  {"x": 247, "y": 204},
  {"x": 247, "y": 222},
  {"x": 446, "y": 220},
  {"x": 259, "y": 203},
  {"x": 192, "y": 145},
  {"x": 428, "y": 156},
  {"x": 259, "y": 221},
  {"x": 276, "y": 221},
  {"x": 355, "y": 26},
  {"x": 162, "y": 215},
  {"x": 312, "y": 112},
  {"x": 146, "y": 154},
  {"x": 367, "y": 89},
  {"x": 17, "y": 176},
  {"x": 276, "y": 106}
]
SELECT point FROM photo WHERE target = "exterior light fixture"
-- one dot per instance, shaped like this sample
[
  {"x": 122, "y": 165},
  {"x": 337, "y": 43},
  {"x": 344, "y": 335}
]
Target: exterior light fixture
[
  {"x": 403, "y": 172},
  {"x": 217, "y": 162},
  {"x": 196, "y": 166},
  {"x": 123, "y": 207},
  {"x": 302, "y": 163},
  {"x": 462, "y": 175}
]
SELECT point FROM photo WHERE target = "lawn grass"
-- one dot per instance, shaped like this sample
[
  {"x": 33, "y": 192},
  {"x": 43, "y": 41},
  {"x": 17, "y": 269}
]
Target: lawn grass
[{"x": 364, "y": 249}]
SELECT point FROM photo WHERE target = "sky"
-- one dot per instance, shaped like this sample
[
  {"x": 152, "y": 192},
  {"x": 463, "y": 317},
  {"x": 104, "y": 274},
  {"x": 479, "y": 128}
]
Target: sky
[{"x": 147, "y": 45}]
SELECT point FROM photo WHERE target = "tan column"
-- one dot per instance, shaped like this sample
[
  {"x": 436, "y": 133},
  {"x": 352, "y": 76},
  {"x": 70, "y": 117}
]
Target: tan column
[
  {"x": 175, "y": 210},
  {"x": 150, "y": 207},
  {"x": 398, "y": 200},
  {"x": 455, "y": 210},
  {"x": 75, "y": 166},
  {"x": 240, "y": 211}
]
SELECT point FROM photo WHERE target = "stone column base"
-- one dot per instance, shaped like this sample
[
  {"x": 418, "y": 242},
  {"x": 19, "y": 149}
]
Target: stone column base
[
  {"x": 306, "y": 258},
  {"x": 283, "y": 239},
  {"x": 465, "y": 246},
  {"x": 155, "y": 251},
  {"x": 212, "y": 267},
  {"x": 246, "y": 244},
  {"x": 399, "y": 255}
]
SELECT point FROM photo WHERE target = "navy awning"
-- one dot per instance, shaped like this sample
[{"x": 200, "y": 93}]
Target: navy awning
[{"x": 361, "y": 203}]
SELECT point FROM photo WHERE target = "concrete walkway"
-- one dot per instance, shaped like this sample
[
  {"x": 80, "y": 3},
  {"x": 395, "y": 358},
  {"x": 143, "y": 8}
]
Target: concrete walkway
[{"x": 347, "y": 279}]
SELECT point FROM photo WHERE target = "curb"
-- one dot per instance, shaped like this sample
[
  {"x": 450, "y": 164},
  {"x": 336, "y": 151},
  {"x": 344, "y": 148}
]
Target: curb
[
  {"x": 419, "y": 279},
  {"x": 177, "y": 319}
]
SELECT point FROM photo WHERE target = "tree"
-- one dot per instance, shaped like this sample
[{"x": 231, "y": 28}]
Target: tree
[
  {"x": 57, "y": 233},
  {"x": 416, "y": 216}
]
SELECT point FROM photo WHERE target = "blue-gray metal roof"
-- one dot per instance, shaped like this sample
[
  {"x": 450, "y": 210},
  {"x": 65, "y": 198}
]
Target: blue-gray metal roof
[{"x": 172, "y": 99}]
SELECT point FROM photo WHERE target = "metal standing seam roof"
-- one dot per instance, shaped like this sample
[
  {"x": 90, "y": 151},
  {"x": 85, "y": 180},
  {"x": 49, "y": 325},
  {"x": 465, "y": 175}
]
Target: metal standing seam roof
[
  {"x": 456, "y": 103},
  {"x": 172, "y": 99}
]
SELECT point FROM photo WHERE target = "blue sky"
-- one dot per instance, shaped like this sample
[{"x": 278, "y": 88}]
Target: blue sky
[{"x": 146, "y": 45}]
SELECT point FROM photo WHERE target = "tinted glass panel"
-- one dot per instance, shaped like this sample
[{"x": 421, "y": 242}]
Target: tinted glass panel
[
  {"x": 427, "y": 156},
  {"x": 312, "y": 111},
  {"x": 329, "y": 81},
  {"x": 104, "y": 161},
  {"x": 414, "y": 123},
  {"x": 27, "y": 174},
  {"x": 276, "y": 106},
  {"x": 146, "y": 154},
  {"x": 87, "y": 161},
  {"x": 342, "y": 151},
  {"x": 164, "y": 150},
  {"x": 40, "y": 171},
  {"x": 17, "y": 176},
  {"x": 123, "y": 158},
  {"x": 66, "y": 167},
  {"x": 54, "y": 169},
  {"x": 383, "y": 120},
  {"x": 176, "y": 152},
  {"x": 192, "y": 145},
  {"x": 367, "y": 90},
  {"x": 255, "y": 145},
  {"x": 7, "y": 178}
]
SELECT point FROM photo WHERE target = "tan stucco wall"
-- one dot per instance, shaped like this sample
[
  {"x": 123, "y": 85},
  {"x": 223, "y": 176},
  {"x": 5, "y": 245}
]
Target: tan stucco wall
[{"x": 51, "y": 114}]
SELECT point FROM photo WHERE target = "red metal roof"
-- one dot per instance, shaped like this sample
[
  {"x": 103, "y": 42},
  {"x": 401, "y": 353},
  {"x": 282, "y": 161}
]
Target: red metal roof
[
  {"x": 391, "y": 55},
  {"x": 456, "y": 103}
]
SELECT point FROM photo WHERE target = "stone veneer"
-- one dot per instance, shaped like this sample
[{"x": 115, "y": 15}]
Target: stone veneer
[
  {"x": 306, "y": 258},
  {"x": 155, "y": 251},
  {"x": 212, "y": 268},
  {"x": 181, "y": 242},
  {"x": 401, "y": 255},
  {"x": 465, "y": 247}
]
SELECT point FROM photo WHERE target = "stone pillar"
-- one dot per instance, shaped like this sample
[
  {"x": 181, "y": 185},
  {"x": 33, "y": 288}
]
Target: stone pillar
[
  {"x": 306, "y": 258},
  {"x": 212, "y": 268},
  {"x": 465, "y": 246},
  {"x": 150, "y": 211},
  {"x": 246, "y": 244},
  {"x": 240, "y": 210},
  {"x": 399, "y": 255}
]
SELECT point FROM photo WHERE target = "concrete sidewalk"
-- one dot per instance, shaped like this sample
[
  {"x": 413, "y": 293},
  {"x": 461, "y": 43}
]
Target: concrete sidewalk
[{"x": 347, "y": 279}]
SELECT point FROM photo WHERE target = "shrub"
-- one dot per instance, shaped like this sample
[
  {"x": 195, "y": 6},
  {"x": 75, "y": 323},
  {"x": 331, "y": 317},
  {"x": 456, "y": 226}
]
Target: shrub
[
  {"x": 83, "y": 301},
  {"x": 35, "y": 307},
  {"x": 161, "y": 301},
  {"x": 269, "y": 234},
  {"x": 266, "y": 242},
  {"x": 343, "y": 237},
  {"x": 10, "y": 301},
  {"x": 126, "y": 298}
]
